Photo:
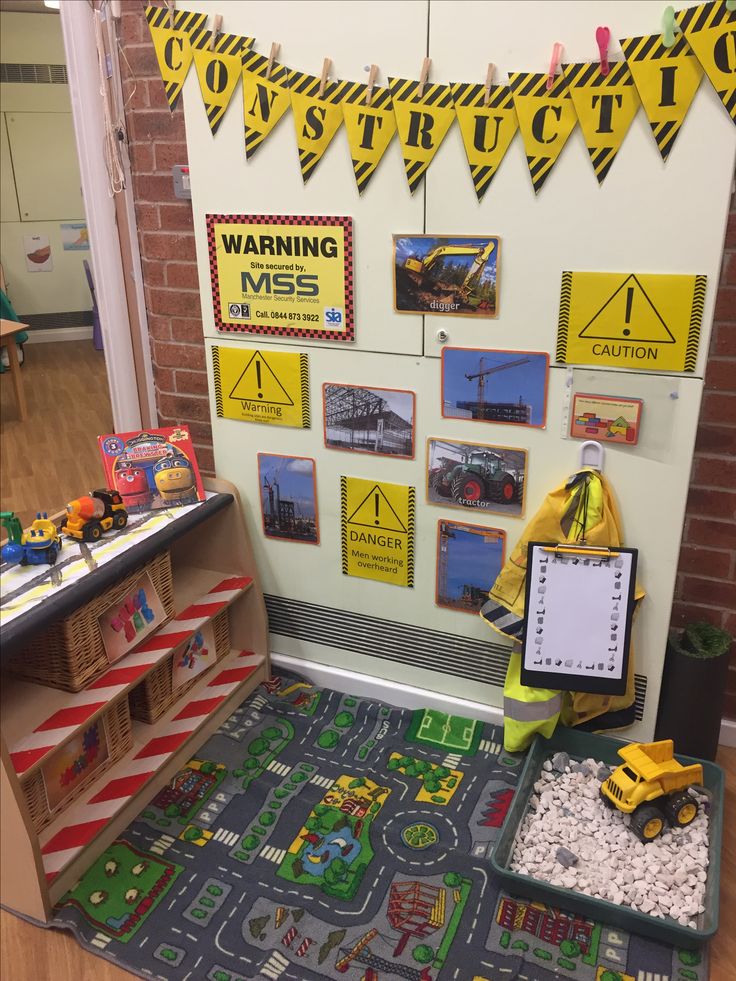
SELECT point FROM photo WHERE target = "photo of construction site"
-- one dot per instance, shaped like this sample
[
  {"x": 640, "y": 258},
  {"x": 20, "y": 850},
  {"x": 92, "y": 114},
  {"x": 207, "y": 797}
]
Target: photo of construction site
[
  {"x": 495, "y": 386},
  {"x": 369, "y": 420},
  {"x": 456, "y": 275},
  {"x": 469, "y": 558},
  {"x": 288, "y": 497},
  {"x": 477, "y": 476}
]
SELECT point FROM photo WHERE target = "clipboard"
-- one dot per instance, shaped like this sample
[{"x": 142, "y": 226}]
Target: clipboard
[{"x": 577, "y": 617}]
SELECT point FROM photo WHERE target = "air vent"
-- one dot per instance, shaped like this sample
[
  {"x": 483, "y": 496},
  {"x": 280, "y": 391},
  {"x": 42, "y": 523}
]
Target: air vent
[
  {"x": 44, "y": 321},
  {"x": 435, "y": 650},
  {"x": 33, "y": 74}
]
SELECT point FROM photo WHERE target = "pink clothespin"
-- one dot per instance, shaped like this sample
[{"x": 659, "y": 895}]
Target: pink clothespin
[
  {"x": 554, "y": 62},
  {"x": 602, "y": 37}
]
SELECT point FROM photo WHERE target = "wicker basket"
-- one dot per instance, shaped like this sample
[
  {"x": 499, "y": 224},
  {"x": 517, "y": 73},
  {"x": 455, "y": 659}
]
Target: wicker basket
[
  {"x": 119, "y": 737},
  {"x": 71, "y": 653},
  {"x": 150, "y": 699}
]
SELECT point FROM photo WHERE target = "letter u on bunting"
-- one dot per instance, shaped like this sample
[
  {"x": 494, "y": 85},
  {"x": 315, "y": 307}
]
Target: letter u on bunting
[
  {"x": 265, "y": 98},
  {"x": 172, "y": 46},
  {"x": 546, "y": 119},
  {"x": 667, "y": 80},
  {"x": 422, "y": 123},
  {"x": 711, "y": 32},
  {"x": 369, "y": 128},
  {"x": 606, "y": 106},
  {"x": 487, "y": 130},
  {"x": 218, "y": 70},
  {"x": 316, "y": 118}
]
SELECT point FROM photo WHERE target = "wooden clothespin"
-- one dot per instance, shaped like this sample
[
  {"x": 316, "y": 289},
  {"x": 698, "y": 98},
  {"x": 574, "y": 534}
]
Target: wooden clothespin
[
  {"x": 554, "y": 62},
  {"x": 171, "y": 4},
  {"x": 423, "y": 76},
  {"x": 275, "y": 47},
  {"x": 602, "y": 39},
  {"x": 669, "y": 27},
  {"x": 489, "y": 81},
  {"x": 216, "y": 27},
  {"x": 371, "y": 82},
  {"x": 326, "y": 65}
]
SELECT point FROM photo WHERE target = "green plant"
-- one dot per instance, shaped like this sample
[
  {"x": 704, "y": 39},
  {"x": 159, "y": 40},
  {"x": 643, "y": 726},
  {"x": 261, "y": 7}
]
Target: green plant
[
  {"x": 172, "y": 811},
  {"x": 689, "y": 957},
  {"x": 328, "y": 739},
  {"x": 701, "y": 640},
  {"x": 343, "y": 720},
  {"x": 542, "y": 954},
  {"x": 192, "y": 834},
  {"x": 423, "y": 953},
  {"x": 208, "y": 767},
  {"x": 250, "y": 842},
  {"x": 206, "y": 901},
  {"x": 504, "y": 939},
  {"x": 564, "y": 962},
  {"x": 452, "y": 879},
  {"x": 266, "y": 819},
  {"x": 570, "y": 948}
]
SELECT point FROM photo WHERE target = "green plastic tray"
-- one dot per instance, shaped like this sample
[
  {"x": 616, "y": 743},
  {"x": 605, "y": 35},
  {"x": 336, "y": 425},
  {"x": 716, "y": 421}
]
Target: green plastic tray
[{"x": 580, "y": 746}]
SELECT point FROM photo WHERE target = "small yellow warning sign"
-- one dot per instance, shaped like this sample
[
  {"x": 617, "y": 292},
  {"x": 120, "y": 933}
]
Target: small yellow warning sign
[
  {"x": 647, "y": 321},
  {"x": 258, "y": 386},
  {"x": 377, "y": 530}
]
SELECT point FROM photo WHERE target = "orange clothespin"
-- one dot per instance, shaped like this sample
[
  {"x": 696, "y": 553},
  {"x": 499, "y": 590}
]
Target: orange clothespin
[
  {"x": 216, "y": 27},
  {"x": 371, "y": 82},
  {"x": 602, "y": 38},
  {"x": 423, "y": 76},
  {"x": 275, "y": 47},
  {"x": 554, "y": 63},
  {"x": 489, "y": 82},
  {"x": 326, "y": 65}
]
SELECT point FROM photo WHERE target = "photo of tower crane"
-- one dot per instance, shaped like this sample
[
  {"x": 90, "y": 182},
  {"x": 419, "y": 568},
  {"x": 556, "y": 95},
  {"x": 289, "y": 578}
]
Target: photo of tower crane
[
  {"x": 288, "y": 497},
  {"x": 469, "y": 558},
  {"x": 495, "y": 386},
  {"x": 455, "y": 275}
]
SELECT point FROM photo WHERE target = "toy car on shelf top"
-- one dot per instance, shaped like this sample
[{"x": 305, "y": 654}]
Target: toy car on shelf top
[
  {"x": 89, "y": 516},
  {"x": 653, "y": 787},
  {"x": 37, "y": 545}
]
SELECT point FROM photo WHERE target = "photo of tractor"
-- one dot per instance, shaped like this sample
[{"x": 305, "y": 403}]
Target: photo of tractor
[{"x": 487, "y": 478}]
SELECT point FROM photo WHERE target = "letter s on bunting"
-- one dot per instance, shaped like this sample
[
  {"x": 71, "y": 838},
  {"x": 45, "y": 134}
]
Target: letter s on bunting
[
  {"x": 173, "y": 46},
  {"x": 218, "y": 71},
  {"x": 316, "y": 118},
  {"x": 487, "y": 131},
  {"x": 546, "y": 119},
  {"x": 422, "y": 123},
  {"x": 711, "y": 32},
  {"x": 265, "y": 100}
]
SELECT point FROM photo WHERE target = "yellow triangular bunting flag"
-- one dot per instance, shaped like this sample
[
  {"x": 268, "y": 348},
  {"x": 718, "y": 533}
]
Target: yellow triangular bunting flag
[
  {"x": 265, "y": 100},
  {"x": 370, "y": 129},
  {"x": 422, "y": 123},
  {"x": 487, "y": 130},
  {"x": 316, "y": 119},
  {"x": 667, "y": 80},
  {"x": 605, "y": 106},
  {"x": 546, "y": 119},
  {"x": 218, "y": 71},
  {"x": 173, "y": 46},
  {"x": 711, "y": 32}
]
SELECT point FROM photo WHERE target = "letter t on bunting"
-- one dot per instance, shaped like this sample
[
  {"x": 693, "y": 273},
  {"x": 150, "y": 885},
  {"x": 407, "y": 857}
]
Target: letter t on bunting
[
  {"x": 424, "y": 114},
  {"x": 218, "y": 60},
  {"x": 170, "y": 32},
  {"x": 711, "y": 32},
  {"x": 265, "y": 97},
  {"x": 315, "y": 103},
  {"x": 370, "y": 125}
]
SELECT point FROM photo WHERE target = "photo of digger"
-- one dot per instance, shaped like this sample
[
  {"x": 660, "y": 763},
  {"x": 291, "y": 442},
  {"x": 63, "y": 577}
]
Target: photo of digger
[
  {"x": 477, "y": 477},
  {"x": 455, "y": 275}
]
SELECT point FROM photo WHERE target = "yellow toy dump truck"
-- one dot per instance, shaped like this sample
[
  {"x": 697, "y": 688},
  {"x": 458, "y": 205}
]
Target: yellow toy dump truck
[{"x": 651, "y": 786}]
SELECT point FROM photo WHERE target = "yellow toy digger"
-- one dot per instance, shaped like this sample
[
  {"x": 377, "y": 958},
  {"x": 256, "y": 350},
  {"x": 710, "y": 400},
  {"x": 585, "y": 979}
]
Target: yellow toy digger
[{"x": 651, "y": 774}]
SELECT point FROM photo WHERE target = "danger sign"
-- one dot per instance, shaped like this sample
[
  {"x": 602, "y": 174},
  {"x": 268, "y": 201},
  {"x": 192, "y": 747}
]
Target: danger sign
[
  {"x": 262, "y": 386},
  {"x": 630, "y": 320},
  {"x": 377, "y": 530}
]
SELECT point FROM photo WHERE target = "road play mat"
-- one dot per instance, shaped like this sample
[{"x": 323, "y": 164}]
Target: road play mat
[{"x": 321, "y": 835}]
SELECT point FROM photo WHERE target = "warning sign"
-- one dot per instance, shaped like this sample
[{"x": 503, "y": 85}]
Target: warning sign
[
  {"x": 377, "y": 530},
  {"x": 646, "y": 321},
  {"x": 258, "y": 386}
]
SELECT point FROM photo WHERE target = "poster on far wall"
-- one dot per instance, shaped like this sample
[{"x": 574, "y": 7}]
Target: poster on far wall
[
  {"x": 74, "y": 236},
  {"x": 37, "y": 249},
  {"x": 495, "y": 386},
  {"x": 288, "y": 275},
  {"x": 476, "y": 476},
  {"x": 454, "y": 275},
  {"x": 288, "y": 497},
  {"x": 469, "y": 559}
]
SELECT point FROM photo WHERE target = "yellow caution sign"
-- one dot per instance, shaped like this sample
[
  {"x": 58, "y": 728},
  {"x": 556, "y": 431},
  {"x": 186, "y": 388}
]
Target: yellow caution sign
[
  {"x": 487, "y": 130},
  {"x": 265, "y": 98},
  {"x": 369, "y": 128},
  {"x": 262, "y": 386},
  {"x": 218, "y": 71},
  {"x": 422, "y": 123},
  {"x": 667, "y": 80},
  {"x": 647, "y": 321},
  {"x": 711, "y": 32},
  {"x": 316, "y": 118},
  {"x": 173, "y": 46},
  {"x": 605, "y": 106},
  {"x": 546, "y": 119},
  {"x": 377, "y": 530}
]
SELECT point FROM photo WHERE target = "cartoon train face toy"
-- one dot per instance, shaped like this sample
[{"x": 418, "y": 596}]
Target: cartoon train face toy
[
  {"x": 131, "y": 483},
  {"x": 175, "y": 481}
]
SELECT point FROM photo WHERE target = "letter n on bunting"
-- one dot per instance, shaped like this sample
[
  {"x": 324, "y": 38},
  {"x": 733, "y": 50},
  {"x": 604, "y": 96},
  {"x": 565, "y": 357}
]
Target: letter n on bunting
[
  {"x": 422, "y": 123},
  {"x": 711, "y": 32},
  {"x": 546, "y": 119},
  {"x": 265, "y": 98},
  {"x": 606, "y": 106},
  {"x": 173, "y": 46},
  {"x": 316, "y": 118},
  {"x": 487, "y": 130},
  {"x": 369, "y": 128},
  {"x": 667, "y": 80},
  {"x": 218, "y": 71}
]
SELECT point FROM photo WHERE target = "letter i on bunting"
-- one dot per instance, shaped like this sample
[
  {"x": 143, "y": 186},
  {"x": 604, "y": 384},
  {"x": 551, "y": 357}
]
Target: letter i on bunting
[
  {"x": 606, "y": 106},
  {"x": 219, "y": 67},
  {"x": 424, "y": 114},
  {"x": 711, "y": 32},
  {"x": 546, "y": 119},
  {"x": 265, "y": 97},
  {"x": 667, "y": 80},
  {"x": 316, "y": 105},
  {"x": 171, "y": 31},
  {"x": 488, "y": 123},
  {"x": 370, "y": 125}
]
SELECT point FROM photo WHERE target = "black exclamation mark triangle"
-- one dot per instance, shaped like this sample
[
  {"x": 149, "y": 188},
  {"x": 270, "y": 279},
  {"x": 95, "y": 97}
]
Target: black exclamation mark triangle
[
  {"x": 376, "y": 499},
  {"x": 629, "y": 304},
  {"x": 258, "y": 377}
]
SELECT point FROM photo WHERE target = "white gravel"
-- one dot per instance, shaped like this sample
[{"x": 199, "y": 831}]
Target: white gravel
[{"x": 664, "y": 878}]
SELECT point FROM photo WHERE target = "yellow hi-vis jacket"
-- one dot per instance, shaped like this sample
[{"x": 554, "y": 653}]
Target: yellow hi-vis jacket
[{"x": 583, "y": 507}]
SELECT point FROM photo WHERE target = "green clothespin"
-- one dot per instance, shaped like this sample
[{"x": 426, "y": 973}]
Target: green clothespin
[
  {"x": 669, "y": 27},
  {"x": 731, "y": 5}
]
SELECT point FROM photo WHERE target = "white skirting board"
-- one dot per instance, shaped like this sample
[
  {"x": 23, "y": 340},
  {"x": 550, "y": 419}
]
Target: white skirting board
[{"x": 47, "y": 335}]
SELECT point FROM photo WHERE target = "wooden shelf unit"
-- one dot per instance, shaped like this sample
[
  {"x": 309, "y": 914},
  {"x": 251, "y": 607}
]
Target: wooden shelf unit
[{"x": 213, "y": 569}]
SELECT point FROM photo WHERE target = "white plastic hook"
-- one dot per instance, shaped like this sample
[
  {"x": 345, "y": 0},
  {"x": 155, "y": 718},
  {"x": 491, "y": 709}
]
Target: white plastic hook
[{"x": 591, "y": 455}]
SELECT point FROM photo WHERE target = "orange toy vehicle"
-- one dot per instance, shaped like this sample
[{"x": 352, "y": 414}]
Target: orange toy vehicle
[{"x": 88, "y": 517}]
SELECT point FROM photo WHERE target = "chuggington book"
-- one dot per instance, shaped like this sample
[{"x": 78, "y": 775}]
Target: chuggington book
[{"x": 153, "y": 469}]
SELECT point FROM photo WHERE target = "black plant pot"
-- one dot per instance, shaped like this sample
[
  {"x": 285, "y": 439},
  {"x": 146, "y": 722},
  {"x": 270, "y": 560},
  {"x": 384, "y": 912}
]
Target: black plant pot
[{"x": 691, "y": 702}]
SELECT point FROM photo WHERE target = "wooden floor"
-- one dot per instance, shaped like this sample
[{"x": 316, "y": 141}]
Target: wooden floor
[
  {"x": 52, "y": 457},
  {"x": 30, "y": 954}
]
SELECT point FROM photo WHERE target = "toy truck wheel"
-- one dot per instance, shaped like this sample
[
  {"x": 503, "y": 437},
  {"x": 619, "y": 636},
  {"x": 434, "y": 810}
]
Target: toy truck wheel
[
  {"x": 51, "y": 554},
  {"x": 681, "y": 809},
  {"x": 119, "y": 520},
  {"x": 647, "y": 823},
  {"x": 92, "y": 531}
]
